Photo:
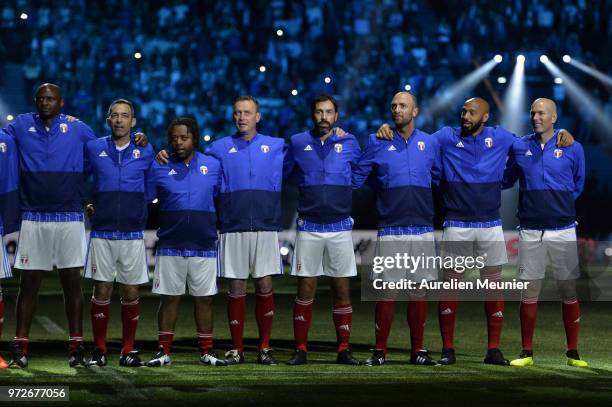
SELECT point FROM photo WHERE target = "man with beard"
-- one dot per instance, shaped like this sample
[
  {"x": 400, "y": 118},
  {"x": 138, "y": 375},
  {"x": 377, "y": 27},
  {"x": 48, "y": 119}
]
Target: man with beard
[
  {"x": 473, "y": 158},
  {"x": 404, "y": 169},
  {"x": 324, "y": 243}
]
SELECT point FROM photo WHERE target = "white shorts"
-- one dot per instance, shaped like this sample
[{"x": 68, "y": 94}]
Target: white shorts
[
  {"x": 43, "y": 245},
  {"x": 474, "y": 242},
  {"x": 416, "y": 246},
  {"x": 244, "y": 254},
  {"x": 539, "y": 248},
  {"x": 173, "y": 272},
  {"x": 5, "y": 265},
  {"x": 323, "y": 254},
  {"x": 123, "y": 260}
]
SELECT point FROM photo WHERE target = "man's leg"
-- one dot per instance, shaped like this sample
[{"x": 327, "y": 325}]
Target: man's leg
[
  {"x": 528, "y": 311},
  {"x": 167, "y": 314},
  {"x": 70, "y": 279},
  {"x": 493, "y": 306},
  {"x": 3, "y": 363},
  {"x": 302, "y": 311},
  {"x": 236, "y": 311},
  {"x": 264, "y": 310},
  {"x": 27, "y": 299},
  {"x": 343, "y": 318},
  {"x": 130, "y": 314},
  {"x": 571, "y": 320},
  {"x": 100, "y": 304},
  {"x": 203, "y": 315}
]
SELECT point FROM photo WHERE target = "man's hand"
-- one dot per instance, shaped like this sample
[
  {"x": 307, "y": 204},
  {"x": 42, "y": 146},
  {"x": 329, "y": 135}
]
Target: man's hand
[
  {"x": 141, "y": 139},
  {"x": 89, "y": 210},
  {"x": 384, "y": 132},
  {"x": 162, "y": 157},
  {"x": 564, "y": 138},
  {"x": 339, "y": 131}
]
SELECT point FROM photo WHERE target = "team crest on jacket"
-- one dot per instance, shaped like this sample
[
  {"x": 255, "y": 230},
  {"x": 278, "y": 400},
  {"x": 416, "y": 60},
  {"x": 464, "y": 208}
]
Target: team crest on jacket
[
  {"x": 338, "y": 148},
  {"x": 265, "y": 148},
  {"x": 489, "y": 142},
  {"x": 2, "y": 147},
  {"x": 421, "y": 145},
  {"x": 203, "y": 169},
  {"x": 136, "y": 153},
  {"x": 558, "y": 153},
  {"x": 64, "y": 127}
]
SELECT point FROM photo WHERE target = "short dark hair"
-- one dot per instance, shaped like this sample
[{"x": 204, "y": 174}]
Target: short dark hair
[
  {"x": 247, "y": 98},
  {"x": 124, "y": 102},
  {"x": 323, "y": 97},
  {"x": 192, "y": 127}
]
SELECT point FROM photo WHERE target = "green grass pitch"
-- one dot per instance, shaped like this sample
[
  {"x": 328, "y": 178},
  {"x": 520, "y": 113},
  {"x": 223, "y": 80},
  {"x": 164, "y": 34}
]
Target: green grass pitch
[{"x": 549, "y": 382}]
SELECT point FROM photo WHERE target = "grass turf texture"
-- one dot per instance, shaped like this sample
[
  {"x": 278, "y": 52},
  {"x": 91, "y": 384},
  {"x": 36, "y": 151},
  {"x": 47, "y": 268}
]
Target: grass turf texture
[{"x": 186, "y": 381}]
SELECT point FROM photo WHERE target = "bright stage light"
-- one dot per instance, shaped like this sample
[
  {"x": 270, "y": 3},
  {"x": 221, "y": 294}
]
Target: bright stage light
[
  {"x": 501, "y": 79},
  {"x": 591, "y": 71},
  {"x": 262, "y": 68},
  {"x": 498, "y": 58},
  {"x": 207, "y": 138},
  {"x": 327, "y": 79},
  {"x": 558, "y": 81},
  {"x": 407, "y": 88},
  {"x": 567, "y": 59},
  {"x": 520, "y": 58},
  {"x": 9, "y": 117},
  {"x": 543, "y": 59},
  {"x": 284, "y": 251},
  {"x": 294, "y": 92},
  {"x": 23, "y": 16},
  {"x": 279, "y": 33},
  {"x": 137, "y": 55}
]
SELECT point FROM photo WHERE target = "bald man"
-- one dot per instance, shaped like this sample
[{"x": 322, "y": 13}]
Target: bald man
[
  {"x": 550, "y": 179},
  {"x": 473, "y": 159},
  {"x": 404, "y": 169}
]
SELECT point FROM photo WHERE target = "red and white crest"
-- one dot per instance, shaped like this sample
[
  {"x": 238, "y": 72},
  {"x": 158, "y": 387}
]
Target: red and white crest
[
  {"x": 265, "y": 148},
  {"x": 2, "y": 147},
  {"x": 489, "y": 142},
  {"x": 136, "y": 153},
  {"x": 64, "y": 127},
  {"x": 558, "y": 153},
  {"x": 203, "y": 169},
  {"x": 338, "y": 148},
  {"x": 421, "y": 145}
]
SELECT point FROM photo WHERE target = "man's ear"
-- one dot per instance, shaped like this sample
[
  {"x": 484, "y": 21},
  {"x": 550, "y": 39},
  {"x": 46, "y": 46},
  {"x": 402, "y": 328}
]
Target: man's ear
[
  {"x": 257, "y": 117},
  {"x": 133, "y": 123},
  {"x": 62, "y": 103},
  {"x": 485, "y": 117},
  {"x": 554, "y": 117},
  {"x": 415, "y": 112}
]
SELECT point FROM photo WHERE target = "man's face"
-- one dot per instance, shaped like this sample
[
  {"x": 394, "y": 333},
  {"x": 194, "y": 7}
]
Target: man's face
[
  {"x": 324, "y": 117},
  {"x": 121, "y": 120},
  {"x": 181, "y": 141},
  {"x": 49, "y": 102},
  {"x": 246, "y": 116},
  {"x": 473, "y": 117},
  {"x": 543, "y": 117},
  {"x": 403, "y": 110}
]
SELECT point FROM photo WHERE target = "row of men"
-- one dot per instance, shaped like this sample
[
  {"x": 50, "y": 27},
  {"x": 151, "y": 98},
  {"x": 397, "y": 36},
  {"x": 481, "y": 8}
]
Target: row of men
[{"x": 235, "y": 188}]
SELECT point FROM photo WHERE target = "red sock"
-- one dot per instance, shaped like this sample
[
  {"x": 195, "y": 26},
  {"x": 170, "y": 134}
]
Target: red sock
[
  {"x": 205, "y": 342},
  {"x": 99, "y": 322},
  {"x": 302, "y": 315},
  {"x": 1, "y": 314},
  {"x": 417, "y": 315},
  {"x": 529, "y": 314},
  {"x": 343, "y": 318},
  {"x": 165, "y": 341},
  {"x": 130, "y": 313},
  {"x": 23, "y": 342},
  {"x": 236, "y": 310},
  {"x": 571, "y": 321},
  {"x": 74, "y": 341},
  {"x": 264, "y": 313},
  {"x": 495, "y": 321},
  {"x": 383, "y": 319},
  {"x": 447, "y": 310}
]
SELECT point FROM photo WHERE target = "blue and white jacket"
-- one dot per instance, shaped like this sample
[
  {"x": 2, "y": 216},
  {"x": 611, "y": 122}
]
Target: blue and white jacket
[
  {"x": 52, "y": 165},
  {"x": 9, "y": 185},
  {"x": 186, "y": 193},
  {"x": 120, "y": 196},
  {"x": 472, "y": 174},
  {"x": 550, "y": 180},
  {"x": 404, "y": 171},
  {"x": 324, "y": 176},
  {"x": 250, "y": 197}
]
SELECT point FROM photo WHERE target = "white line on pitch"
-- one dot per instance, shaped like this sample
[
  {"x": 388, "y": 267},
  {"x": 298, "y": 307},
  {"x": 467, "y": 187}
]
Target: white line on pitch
[{"x": 50, "y": 326}]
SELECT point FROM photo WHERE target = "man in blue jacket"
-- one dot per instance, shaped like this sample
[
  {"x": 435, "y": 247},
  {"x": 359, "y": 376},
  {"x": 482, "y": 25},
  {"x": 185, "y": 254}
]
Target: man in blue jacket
[
  {"x": 405, "y": 169},
  {"x": 118, "y": 217},
  {"x": 9, "y": 210},
  {"x": 550, "y": 179},
  {"x": 324, "y": 243},
  {"x": 186, "y": 251}
]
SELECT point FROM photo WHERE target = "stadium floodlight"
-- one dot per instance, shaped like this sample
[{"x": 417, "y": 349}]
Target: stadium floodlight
[
  {"x": 279, "y": 32},
  {"x": 567, "y": 59},
  {"x": 327, "y": 79},
  {"x": 9, "y": 117},
  {"x": 498, "y": 58},
  {"x": 262, "y": 68},
  {"x": 558, "y": 81},
  {"x": 284, "y": 251},
  {"x": 543, "y": 59},
  {"x": 520, "y": 58},
  {"x": 294, "y": 92},
  {"x": 590, "y": 71},
  {"x": 23, "y": 16},
  {"x": 515, "y": 103},
  {"x": 407, "y": 88},
  {"x": 207, "y": 138},
  {"x": 581, "y": 99},
  {"x": 155, "y": 201},
  {"x": 501, "y": 79},
  {"x": 137, "y": 55}
]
